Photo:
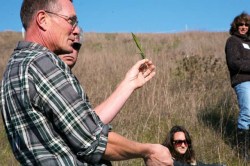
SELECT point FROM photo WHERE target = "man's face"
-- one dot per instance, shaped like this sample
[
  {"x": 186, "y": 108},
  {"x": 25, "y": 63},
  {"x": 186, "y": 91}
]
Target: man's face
[
  {"x": 71, "y": 58},
  {"x": 63, "y": 27}
]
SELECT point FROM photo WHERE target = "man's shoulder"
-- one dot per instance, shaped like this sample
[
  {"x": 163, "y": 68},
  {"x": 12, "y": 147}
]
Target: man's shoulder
[
  {"x": 31, "y": 49},
  {"x": 29, "y": 52},
  {"x": 30, "y": 46}
]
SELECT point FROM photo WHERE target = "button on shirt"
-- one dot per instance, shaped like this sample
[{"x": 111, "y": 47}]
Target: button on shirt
[{"x": 48, "y": 117}]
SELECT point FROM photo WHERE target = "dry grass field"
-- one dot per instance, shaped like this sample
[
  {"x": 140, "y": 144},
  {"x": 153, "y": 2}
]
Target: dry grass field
[{"x": 191, "y": 88}]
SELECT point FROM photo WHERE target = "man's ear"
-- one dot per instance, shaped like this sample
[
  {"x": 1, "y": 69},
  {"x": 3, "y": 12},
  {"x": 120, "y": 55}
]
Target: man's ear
[{"x": 42, "y": 19}]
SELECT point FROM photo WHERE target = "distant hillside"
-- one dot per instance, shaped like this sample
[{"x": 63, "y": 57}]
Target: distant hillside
[{"x": 191, "y": 88}]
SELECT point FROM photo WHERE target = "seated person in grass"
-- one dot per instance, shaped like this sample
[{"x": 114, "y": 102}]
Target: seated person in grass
[{"x": 179, "y": 143}]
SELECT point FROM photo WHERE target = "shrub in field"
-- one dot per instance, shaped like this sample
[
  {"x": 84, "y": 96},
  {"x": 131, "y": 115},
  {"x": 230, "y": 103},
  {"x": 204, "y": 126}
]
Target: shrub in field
[{"x": 197, "y": 71}]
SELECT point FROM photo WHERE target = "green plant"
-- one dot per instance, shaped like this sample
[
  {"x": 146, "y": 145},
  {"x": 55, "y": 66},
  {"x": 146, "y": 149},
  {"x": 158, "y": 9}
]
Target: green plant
[{"x": 138, "y": 46}]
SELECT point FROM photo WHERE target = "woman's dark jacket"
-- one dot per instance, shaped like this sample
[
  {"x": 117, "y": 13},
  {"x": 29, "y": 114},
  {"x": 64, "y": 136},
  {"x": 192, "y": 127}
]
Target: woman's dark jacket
[{"x": 237, "y": 51}]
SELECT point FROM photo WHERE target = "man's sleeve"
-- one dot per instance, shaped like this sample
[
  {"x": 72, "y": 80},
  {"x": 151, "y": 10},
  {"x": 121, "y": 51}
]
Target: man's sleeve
[{"x": 54, "y": 94}]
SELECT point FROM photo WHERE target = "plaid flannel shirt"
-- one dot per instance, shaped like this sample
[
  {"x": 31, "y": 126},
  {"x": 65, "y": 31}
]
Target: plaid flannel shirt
[{"x": 47, "y": 115}]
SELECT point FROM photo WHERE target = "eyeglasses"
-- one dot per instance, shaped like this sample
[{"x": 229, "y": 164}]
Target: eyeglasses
[
  {"x": 180, "y": 142},
  {"x": 71, "y": 20},
  {"x": 241, "y": 24}
]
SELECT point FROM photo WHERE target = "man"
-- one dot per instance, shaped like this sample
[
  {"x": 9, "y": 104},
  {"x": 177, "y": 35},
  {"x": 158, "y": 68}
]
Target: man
[
  {"x": 70, "y": 59},
  {"x": 47, "y": 115}
]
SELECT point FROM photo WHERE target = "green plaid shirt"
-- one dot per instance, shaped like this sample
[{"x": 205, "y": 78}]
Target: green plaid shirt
[{"x": 47, "y": 115}]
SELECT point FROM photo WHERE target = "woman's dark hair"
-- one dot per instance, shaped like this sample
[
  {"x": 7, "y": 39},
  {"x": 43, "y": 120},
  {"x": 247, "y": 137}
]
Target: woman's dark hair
[
  {"x": 189, "y": 156},
  {"x": 243, "y": 17}
]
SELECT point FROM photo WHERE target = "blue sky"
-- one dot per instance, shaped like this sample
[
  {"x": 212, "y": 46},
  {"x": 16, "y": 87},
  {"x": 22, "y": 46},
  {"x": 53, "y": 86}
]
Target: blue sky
[{"x": 142, "y": 16}]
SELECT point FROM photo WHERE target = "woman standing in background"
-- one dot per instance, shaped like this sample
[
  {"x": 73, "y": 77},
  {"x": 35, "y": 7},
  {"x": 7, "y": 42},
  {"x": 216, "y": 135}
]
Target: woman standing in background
[{"x": 237, "y": 51}]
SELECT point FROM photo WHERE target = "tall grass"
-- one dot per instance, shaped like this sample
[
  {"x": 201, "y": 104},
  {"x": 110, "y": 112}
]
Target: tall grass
[{"x": 191, "y": 88}]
